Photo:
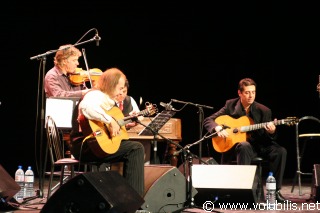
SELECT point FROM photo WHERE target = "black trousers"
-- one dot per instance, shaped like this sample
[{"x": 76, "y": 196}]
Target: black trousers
[
  {"x": 131, "y": 153},
  {"x": 245, "y": 152}
]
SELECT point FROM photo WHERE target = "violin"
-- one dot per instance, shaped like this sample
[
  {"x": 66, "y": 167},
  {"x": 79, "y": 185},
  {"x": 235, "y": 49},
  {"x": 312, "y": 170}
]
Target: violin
[{"x": 80, "y": 76}]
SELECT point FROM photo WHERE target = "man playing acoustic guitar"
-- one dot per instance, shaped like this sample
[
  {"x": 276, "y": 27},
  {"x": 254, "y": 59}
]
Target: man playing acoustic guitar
[
  {"x": 102, "y": 134},
  {"x": 261, "y": 141}
]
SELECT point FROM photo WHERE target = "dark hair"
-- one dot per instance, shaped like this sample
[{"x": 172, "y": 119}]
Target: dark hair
[
  {"x": 246, "y": 82},
  {"x": 126, "y": 84}
]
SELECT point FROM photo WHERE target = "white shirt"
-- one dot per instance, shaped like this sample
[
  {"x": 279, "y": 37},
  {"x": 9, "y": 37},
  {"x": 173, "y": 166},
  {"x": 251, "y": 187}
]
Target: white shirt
[
  {"x": 134, "y": 105},
  {"x": 94, "y": 106}
]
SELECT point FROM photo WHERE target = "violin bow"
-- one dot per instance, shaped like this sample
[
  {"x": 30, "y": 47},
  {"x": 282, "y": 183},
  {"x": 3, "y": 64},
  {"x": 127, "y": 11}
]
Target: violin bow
[{"x": 87, "y": 67}]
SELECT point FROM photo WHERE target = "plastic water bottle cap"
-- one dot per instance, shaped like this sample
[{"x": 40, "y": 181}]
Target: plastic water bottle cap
[
  {"x": 270, "y": 173},
  {"x": 19, "y": 167}
]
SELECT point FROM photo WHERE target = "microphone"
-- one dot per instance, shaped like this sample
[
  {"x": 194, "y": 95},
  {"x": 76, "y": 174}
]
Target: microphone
[
  {"x": 97, "y": 38},
  {"x": 121, "y": 123},
  {"x": 182, "y": 102},
  {"x": 124, "y": 121},
  {"x": 166, "y": 106},
  {"x": 177, "y": 152}
]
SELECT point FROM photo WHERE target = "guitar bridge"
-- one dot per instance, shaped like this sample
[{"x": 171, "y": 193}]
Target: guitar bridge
[{"x": 97, "y": 133}]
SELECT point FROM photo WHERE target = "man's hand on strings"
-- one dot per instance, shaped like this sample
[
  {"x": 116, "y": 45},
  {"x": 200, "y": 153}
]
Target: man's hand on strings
[
  {"x": 221, "y": 132},
  {"x": 270, "y": 127},
  {"x": 114, "y": 128}
]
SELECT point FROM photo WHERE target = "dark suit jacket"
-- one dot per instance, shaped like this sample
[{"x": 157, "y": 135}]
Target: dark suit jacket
[
  {"x": 258, "y": 113},
  {"x": 127, "y": 106}
]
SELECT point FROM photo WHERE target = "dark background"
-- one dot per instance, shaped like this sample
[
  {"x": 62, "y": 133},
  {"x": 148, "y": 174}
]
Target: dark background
[{"x": 193, "y": 52}]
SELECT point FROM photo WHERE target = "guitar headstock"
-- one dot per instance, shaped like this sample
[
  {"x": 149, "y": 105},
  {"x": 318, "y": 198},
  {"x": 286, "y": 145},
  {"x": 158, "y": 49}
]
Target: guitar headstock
[
  {"x": 291, "y": 120},
  {"x": 150, "y": 109}
]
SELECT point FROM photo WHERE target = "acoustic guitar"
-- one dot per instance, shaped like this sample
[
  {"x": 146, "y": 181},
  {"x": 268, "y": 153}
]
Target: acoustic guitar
[
  {"x": 105, "y": 143},
  {"x": 238, "y": 128}
]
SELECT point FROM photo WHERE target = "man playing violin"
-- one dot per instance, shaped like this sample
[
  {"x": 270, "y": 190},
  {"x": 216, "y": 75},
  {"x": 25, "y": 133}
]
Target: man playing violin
[{"x": 57, "y": 82}]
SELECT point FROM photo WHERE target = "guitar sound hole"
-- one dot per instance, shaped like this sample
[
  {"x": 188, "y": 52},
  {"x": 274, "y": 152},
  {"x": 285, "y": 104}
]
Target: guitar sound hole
[{"x": 235, "y": 130}]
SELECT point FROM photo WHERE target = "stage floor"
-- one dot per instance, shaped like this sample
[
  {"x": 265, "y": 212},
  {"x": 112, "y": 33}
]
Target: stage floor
[{"x": 296, "y": 202}]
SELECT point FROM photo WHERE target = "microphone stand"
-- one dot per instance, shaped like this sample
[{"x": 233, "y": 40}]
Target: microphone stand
[
  {"x": 189, "y": 156},
  {"x": 318, "y": 87},
  {"x": 41, "y": 95},
  {"x": 201, "y": 115}
]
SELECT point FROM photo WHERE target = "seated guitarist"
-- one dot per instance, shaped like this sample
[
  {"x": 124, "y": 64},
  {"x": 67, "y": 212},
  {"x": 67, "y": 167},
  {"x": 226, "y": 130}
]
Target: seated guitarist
[
  {"x": 110, "y": 143},
  {"x": 261, "y": 142},
  {"x": 128, "y": 105}
]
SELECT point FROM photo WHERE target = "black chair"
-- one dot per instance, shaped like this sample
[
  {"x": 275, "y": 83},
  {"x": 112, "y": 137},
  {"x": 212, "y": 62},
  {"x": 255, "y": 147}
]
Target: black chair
[
  {"x": 55, "y": 147},
  {"x": 259, "y": 162},
  {"x": 56, "y": 150},
  {"x": 307, "y": 130}
]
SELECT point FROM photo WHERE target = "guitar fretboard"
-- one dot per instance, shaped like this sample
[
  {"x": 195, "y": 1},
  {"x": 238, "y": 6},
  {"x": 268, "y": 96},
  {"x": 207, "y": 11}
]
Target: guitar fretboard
[{"x": 261, "y": 125}]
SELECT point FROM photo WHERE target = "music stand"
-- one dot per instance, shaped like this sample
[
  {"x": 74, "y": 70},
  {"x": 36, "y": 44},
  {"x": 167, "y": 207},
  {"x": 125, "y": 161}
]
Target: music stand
[
  {"x": 154, "y": 126},
  {"x": 61, "y": 110}
]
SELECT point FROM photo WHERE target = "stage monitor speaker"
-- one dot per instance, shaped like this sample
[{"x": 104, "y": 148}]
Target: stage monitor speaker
[
  {"x": 8, "y": 186},
  {"x": 316, "y": 183},
  {"x": 225, "y": 184},
  {"x": 165, "y": 189},
  {"x": 105, "y": 191}
]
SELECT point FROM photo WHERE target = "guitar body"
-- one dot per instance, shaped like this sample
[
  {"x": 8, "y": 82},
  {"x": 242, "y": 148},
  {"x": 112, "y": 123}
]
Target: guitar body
[
  {"x": 235, "y": 135},
  {"x": 238, "y": 129},
  {"x": 106, "y": 143}
]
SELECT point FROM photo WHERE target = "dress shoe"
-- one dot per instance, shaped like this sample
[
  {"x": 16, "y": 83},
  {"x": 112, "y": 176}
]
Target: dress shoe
[{"x": 279, "y": 197}]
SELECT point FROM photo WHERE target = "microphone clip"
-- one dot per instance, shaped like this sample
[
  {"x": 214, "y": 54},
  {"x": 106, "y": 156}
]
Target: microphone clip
[
  {"x": 97, "y": 37},
  {"x": 167, "y": 106}
]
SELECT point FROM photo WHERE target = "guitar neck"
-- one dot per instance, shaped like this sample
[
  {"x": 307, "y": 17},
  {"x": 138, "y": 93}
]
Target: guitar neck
[
  {"x": 129, "y": 119},
  {"x": 260, "y": 125}
]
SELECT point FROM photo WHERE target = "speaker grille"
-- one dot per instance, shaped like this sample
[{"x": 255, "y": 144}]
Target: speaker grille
[
  {"x": 165, "y": 189},
  {"x": 8, "y": 186},
  {"x": 105, "y": 191}
]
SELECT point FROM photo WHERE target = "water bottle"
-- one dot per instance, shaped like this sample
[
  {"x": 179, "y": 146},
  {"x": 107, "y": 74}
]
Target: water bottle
[
  {"x": 29, "y": 183},
  {"x": 271, "y": 192},
  {"x": 19, "y": 178}
]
